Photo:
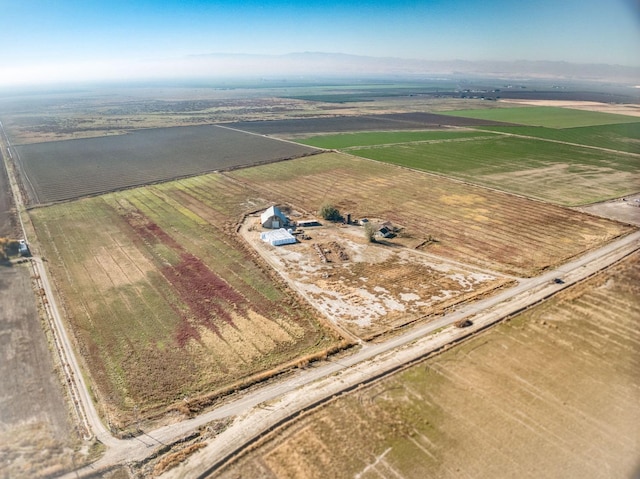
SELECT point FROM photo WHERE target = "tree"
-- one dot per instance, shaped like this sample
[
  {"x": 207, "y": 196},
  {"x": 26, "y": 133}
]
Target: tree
[
  {"x": 370, "y": 232},
  {"x": 330, "y": 212}
]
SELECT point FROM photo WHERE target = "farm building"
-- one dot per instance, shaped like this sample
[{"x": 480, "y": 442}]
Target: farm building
[
  {"x": 386, "y": 230},
  {"x": 273, "y": 218},
  {"x": 278, "y": 237}
]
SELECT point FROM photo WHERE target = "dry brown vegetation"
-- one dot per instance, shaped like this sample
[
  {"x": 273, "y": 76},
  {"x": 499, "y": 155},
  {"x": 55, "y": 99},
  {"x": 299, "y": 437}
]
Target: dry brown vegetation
[
  {"x": 551, "y": 393},
  {"x": 166, "y": 304},
  {"x": 475, "y": 225}
]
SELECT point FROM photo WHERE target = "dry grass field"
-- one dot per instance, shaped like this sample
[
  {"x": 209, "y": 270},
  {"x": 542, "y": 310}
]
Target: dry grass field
[
  {"x": 166, "y": 304},
  {"x": 470, "y": 224},
  {"x": 552, "y": 392}
]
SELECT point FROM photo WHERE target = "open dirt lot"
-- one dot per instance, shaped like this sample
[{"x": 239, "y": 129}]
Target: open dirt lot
[
  {"x": 36, "y": 436},
  {"x": 552, "y": 392},
  {"x": 369, "y": 288},
  {"x": 625, "y": 209}
]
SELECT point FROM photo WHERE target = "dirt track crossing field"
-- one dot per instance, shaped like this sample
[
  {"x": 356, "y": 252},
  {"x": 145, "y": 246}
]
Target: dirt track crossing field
[
  {"x": 398, "y": 121},
  {"x": 551, "y": 393}
]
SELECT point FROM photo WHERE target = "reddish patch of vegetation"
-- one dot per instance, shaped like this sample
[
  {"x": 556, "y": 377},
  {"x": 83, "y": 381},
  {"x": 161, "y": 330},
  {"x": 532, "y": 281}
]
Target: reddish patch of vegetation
[{"x": 208, "y": 297}]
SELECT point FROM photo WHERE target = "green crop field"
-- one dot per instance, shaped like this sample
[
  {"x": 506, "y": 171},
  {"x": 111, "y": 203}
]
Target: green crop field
[
  {"x": 547, "y": 116},
  {"x": 165, "y": 302},
  {"x": 348, "y": 140},
  {"x": 563, "y": 174},
  {"x": 620, "y": 137}
]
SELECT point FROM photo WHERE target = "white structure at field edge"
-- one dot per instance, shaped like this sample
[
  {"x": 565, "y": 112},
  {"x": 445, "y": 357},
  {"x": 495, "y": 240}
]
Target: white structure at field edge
[
  {"x": 278, "y": 237},
  {"x": 273, "y": 218}
]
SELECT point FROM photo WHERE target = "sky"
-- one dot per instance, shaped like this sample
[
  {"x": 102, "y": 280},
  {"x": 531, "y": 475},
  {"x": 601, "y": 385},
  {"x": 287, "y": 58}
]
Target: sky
[{"x": 61, "y": 40}]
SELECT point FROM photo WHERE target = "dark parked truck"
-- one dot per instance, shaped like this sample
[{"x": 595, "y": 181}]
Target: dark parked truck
[{"x": 23, "y": 248}]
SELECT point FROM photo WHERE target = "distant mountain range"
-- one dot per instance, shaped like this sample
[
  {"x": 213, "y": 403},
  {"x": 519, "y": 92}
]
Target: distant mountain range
[{"x": 339, "y": 64}]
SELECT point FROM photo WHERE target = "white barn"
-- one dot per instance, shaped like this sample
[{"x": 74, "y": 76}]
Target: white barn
[{"x": 273, "y": 218}]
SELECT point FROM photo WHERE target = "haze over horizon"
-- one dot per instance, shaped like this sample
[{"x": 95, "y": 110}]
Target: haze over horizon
[{"x": 73, "y": 40}]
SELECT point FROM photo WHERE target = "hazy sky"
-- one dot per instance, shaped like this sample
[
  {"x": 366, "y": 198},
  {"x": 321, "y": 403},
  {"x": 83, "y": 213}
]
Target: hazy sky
[{"x": 68, "y": 38}]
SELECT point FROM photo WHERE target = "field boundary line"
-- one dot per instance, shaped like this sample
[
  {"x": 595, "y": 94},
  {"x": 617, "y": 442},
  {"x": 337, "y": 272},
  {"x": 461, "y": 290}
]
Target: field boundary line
[{"x": 550, "y": 140}]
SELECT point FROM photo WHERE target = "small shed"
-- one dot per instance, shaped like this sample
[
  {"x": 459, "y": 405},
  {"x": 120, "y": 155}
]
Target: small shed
[
  {"x": 273, "y": 218},
  {"x": 277, "y": 237},
  {"x": 386, "y": 230}
]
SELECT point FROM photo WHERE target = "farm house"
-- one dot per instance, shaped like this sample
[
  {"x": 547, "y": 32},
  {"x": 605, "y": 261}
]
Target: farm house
[
  {"x": 273, "y": 218},
  {"x": 277, "y": 237}
]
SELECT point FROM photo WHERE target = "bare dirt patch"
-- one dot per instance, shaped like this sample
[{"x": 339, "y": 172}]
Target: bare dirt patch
[
  {"x": 625, "y": 209},
  {"x": 370, "y": 288}
]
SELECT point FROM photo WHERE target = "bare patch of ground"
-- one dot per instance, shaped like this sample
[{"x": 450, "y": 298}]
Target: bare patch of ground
[
  {"x": 36, "y": 436},
  {"x": 619, "y": 109},
  {"x": 370, "y": 288},
  {"x": 625, "y": 209}
]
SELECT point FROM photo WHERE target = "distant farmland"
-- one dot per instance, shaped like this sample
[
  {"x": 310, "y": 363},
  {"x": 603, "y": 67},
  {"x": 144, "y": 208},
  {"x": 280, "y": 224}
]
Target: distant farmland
[
  {"x": 563, "y": 174},
  {"x": 397, "y": 121},
  {"x": 376, "y": 138},
  {"x": 621, "y": 137},
  {"x": 548, "y": 163},
  {"x": 548, "y": 116},
  {"x": 70, "y": 169}
]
